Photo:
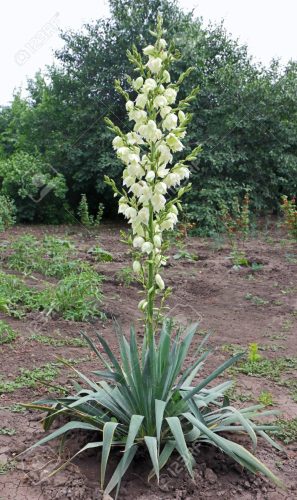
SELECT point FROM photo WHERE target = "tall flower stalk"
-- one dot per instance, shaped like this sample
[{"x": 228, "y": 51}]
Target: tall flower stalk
[{"x": 151, "y": 192}]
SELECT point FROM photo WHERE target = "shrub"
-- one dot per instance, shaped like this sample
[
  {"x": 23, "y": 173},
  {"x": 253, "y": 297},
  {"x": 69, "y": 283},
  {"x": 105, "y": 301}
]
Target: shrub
[
  {"x": 289, "y": 209},
  {"x": 37, "y": 190},
  {"x": 7, "y": 212},
  {"x": 85, "y": 218}
]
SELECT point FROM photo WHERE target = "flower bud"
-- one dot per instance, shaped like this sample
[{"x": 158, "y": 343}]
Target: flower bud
[
  {"x": 160, "y": 282},
  {"x": 136, "y": 266}
]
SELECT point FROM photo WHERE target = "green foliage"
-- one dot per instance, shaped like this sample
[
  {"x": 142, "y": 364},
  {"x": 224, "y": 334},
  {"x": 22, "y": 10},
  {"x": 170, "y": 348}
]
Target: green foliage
[
  {"x": 244, "y": 116},
  {"x": 287, "y": 430},
  {"x": 100, "y": 255},
  {"x": 58, "y": 342},
  {"x": 7, "y": 212},
  {"x": 30, "y": 378},
  {"x": 183, "y": 254},
  {"x": 85, "y": 218},
  {"x": 7, "y": 431},
  {"x": 268, "y": 368},
  {"x": 7, "y": 334},
  {"x": 147, "y": 402},
  {"x": 50, "y": 256},
  {"x": 37, "y": 190},
  {"x": 76, "y": 297},
  {"x": 266, "y": 398},
  {"x": 125, "y": 275},
  {"x": 289, "y": 209},
  {"x": 253, "y": 353},
  {"x": 256, "y": 300},
  {"x": 16, "y": 298}
]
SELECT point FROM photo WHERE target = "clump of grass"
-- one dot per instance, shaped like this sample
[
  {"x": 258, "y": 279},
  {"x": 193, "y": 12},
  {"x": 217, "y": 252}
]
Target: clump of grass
[
  {"x": 287, "y": 430},
  {"x": 30, "y": 378},
  {"x": 7, "y": 334},
  {"x": 60, "y": 342},
  {"x": 77, "y": 297}
]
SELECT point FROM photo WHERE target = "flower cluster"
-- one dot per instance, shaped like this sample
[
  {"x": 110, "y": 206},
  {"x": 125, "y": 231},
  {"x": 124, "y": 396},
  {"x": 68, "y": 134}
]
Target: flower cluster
[{"x": 150, "y": 174}]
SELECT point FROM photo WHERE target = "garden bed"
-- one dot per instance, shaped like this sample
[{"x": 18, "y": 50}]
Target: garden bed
[{"x": 239, "y": 306}]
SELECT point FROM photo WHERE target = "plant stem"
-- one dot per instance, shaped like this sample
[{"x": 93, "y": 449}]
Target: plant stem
[{"x": 150, "y": 283}]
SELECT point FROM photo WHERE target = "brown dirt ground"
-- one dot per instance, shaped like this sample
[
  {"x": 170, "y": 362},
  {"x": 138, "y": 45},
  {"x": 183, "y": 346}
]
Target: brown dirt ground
[{"x": 208, "y": 289}]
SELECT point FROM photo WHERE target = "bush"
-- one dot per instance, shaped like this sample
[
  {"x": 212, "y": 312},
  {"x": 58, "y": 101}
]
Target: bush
[
  {"x": 37, "y": 190},
  {"x": 7, "y": 212},
  {"x": 289, "y": 209}
]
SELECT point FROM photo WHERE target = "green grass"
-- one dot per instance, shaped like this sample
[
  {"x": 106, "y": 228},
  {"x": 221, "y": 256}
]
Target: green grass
[
  {"x": 59, "y": 342},
  {"x": 7, "y": 334},
  {"x": 256, "y": 300},
  {"x": 50, "y": 256},
  {"x": 287, "y": 430},
  {"x": 268, "y": 368},
  {"x": 30, "y": 378}
]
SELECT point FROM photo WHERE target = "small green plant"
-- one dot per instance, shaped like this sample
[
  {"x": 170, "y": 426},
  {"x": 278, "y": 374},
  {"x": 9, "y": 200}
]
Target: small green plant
[
  {"x": 253, "y": 353},
  {"x": 51, "y": 256},
  {"x": 86, "y": 219},
  {"x": 125, "y": 275},
  {"x": 286, "y": 430},
  {"x": 59, "y": 342},
  {"x": 183, "y": 254},
  {"x": 268, "y": 368},
  {"x": 16, "y": 298},
  {"x": 7, "y": 334},
  {"x": 266, "y": 398},
  {"x": 30, "y": 378},
  {"x": 289, "y": 209},
  {"x": 7, "y": 431},
  {"x": 256, "y": 300},
  {"x": 83, "y": 212},
  {"x": 236, "y": 222},
  {"x": 99, "y": 215},
  {"x": 100, "y": 255},
  {"x": 7, "y": 213},
  {"x": 77, "y": 297}
]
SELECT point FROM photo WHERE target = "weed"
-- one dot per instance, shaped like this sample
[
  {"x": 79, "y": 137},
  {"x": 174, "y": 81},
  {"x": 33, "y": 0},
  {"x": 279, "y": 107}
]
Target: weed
[
  {"x": 183, "y": 254},
  {"x": 7, "y": 431},
  {"x": 100, "y": 255},
  {"x": 125, "y": 275},
  {"x": 287, "y": 430},
  {"x": 14, "y": 408},
  {"x": 253, "y": 354},
  {"x": 30, "y": 378},
  {"x": 51, "y": 256},
  {"x": 256, "y": 300},
  {"x": 63, "y": 341},
  {"x": 15, "y": 296},
  {"x": 76, "y": 297},
  {"x": 7, "y": 334},
  {"x": 267, "y": 368},
  {"x": 266, "y": 398},
  {"x": 4, "y": 468},
  {"x": 86, "y": 219},
  {"x": 289, "y": 209}
]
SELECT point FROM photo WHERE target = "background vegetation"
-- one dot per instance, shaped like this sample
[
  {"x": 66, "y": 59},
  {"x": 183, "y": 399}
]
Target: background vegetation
[{"x": 245, "y": 117}]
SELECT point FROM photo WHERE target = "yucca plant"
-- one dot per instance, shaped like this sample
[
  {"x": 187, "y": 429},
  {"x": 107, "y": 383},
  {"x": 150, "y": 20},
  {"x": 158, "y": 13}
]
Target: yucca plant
[
  {"x": 146, "y": 401},
  {"x": 146, "y": 398}
]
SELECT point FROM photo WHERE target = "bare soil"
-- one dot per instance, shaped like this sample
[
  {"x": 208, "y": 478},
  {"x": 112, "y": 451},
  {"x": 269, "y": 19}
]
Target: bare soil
[{"x": 238, "y": 306}]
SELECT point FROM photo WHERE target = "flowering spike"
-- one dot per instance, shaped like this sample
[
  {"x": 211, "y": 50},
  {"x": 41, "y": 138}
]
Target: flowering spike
[{"x": 158, "y": 128}]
